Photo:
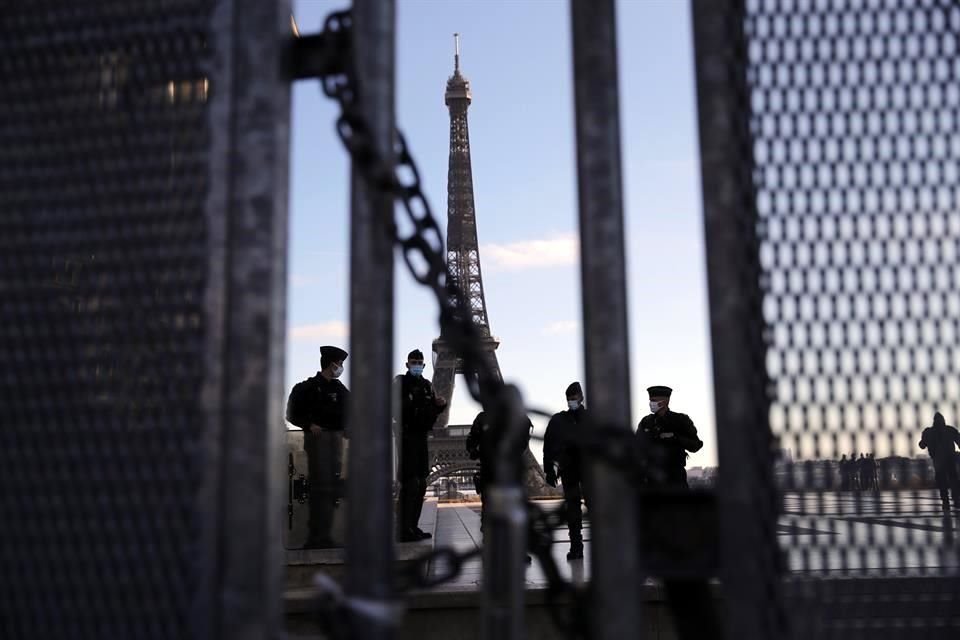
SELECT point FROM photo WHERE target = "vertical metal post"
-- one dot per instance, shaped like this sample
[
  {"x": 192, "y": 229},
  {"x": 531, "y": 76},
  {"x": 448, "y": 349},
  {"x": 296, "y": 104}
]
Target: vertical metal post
[
  {"x": 505, "y": 536},
  {"x": 616, "y": 577},
  {"x": 370, "y": 500},
  {"x": 748, "y": 508},
  {"x": 249, "y": 115}
]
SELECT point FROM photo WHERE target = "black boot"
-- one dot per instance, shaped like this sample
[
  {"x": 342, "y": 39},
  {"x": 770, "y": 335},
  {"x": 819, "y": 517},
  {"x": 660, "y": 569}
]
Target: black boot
[
  {"x": 576, "y": 551},
  {"x": 410, "y": 535}
]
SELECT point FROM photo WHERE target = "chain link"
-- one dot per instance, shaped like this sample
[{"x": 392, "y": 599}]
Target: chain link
[
  {"x": 423, "y": 246},
  {"x": 424, "y": 254}
]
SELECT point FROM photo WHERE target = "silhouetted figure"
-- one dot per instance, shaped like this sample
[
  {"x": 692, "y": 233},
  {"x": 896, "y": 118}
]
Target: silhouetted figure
[
  {"x": 844, "y": 473},
  {"x": 939, "y": 441},
  {"x": 318, "y": 405},
  {"x": 865, "y": 471},
  {"x": 419, "y": 408},
  {"x": 482, "y": 444},
  {"x": 664, "y": 438},
  {"x": 875, "y": 472},
  {"x": 854, "y": 472},
  {"x": 563, "y": 459}
]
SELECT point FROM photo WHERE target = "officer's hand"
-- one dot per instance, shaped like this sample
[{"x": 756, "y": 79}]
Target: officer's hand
[
  {"x": 314, "y": 428},
  {"x": 441, "y": 402},
  {"x": 666, "y": 435}
]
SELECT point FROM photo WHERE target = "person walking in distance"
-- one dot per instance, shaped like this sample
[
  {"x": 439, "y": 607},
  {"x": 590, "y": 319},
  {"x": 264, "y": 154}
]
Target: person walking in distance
[
  {"x": 419, "y": 408},
  {"x": 940, "y": 441},
  {"x": 318, "y": 405},
  {"x": 563, "y": 460}
]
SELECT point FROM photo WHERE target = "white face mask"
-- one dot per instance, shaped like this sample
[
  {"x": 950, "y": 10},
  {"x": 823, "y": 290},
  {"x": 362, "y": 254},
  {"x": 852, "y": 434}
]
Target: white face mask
[
  {"x": 336, "y": 371},
  {"x": 654, "y": 406},
  {"x": 573, "y": 405}
]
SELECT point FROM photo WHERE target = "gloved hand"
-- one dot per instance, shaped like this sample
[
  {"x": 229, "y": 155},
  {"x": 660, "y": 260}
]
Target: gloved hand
[{"x": 551, "y": 478}]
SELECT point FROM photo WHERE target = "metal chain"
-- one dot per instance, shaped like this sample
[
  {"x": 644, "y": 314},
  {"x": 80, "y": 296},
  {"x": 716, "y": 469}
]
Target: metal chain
[
  {"x": 423, "y": 247},
  {"x": 424, "y": 254},
  {"x": 416, "y": 575}
]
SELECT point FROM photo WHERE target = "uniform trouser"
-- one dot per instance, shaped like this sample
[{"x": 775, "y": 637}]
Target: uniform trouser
[
  {"x": 572, "y": 495},
  {"x": 412, "y": 491},
  {"x": 677, "y": 478},
  {"x": 482, "y": 483},
  {"x": 324, "y": 458},
  {"x": 948, "y": 480}
]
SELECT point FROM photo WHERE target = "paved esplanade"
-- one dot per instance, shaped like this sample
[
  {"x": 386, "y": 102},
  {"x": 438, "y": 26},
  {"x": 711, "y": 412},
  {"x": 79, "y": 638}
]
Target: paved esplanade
[{"x": 901, "y": 532}]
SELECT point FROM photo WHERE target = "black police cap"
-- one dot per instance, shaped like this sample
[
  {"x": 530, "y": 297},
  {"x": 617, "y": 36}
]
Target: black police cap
[
  {"x": 330, "y": 354},
  {"x": 574, "y": 389},
  {"x": 659, "y": 391}
]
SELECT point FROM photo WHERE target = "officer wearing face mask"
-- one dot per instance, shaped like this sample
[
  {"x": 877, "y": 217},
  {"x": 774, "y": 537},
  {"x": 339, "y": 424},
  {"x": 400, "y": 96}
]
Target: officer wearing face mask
[
  {"x": 318, "y": 405},
  {"x": 562, "y": 458},
  {"x": 664, "y": 438},
  {"x": 419, "y": 408}
]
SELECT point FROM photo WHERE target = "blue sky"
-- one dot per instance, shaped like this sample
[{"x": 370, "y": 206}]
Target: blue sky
[{"x": 516, "y": 54}]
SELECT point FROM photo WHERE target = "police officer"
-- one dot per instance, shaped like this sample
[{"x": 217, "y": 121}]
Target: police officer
[
  {"x": 419, "y": 408},
  {"x": 481, "y": 445},
  {"x": 562, "y": 458},
  {"x": 939, "y": 441},
  {"x": 664, "y": 437},
  {"x": 318, "y": 405}
]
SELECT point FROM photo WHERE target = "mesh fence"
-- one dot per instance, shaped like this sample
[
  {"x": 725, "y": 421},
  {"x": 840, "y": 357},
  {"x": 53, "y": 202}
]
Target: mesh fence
[
  {"x": 853, "y": 119},
  {"x": 103, "y": 259}
]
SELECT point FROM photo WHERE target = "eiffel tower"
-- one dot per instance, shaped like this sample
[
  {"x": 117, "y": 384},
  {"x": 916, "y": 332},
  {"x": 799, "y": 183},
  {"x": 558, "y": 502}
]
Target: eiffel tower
[{"x": 463, "y": 259}]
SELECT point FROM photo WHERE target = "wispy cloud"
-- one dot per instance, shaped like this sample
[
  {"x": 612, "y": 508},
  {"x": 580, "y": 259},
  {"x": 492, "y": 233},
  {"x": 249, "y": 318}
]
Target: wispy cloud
[
  {"x": 561, "y": 328},
  {"x": 558, "y": 250},
  {"x": 321, "y": 331}
]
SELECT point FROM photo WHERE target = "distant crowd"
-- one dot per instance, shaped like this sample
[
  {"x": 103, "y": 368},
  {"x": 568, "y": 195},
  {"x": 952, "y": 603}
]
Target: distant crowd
[{"x": 859, "y": 474}]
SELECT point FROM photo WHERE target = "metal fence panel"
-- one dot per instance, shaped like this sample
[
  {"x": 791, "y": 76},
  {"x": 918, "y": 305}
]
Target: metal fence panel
[
  {"x": 141, "y": 318},
  {"x": 844, "y": 168}
]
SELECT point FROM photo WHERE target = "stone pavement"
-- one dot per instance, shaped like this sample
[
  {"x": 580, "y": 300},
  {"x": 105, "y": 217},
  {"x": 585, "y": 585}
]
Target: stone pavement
[
  {"x": 894, "y": 533},
  {"x": 458, "y": 526},
  {"x": 869, "y": 533}
]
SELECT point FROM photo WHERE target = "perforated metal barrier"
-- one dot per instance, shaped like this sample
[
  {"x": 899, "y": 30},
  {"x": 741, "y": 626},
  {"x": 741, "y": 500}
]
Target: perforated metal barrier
[
  {"x": 118, "y": 303},
  {"x": 842, "y": 192}
]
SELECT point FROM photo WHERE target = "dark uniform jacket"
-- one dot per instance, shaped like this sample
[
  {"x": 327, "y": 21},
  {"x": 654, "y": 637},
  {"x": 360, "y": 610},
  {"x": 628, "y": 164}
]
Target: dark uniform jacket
[
  {"x": 418, "y": 413},
  {"x": 481, "y": 445},
  {"x": 666, "y": 457},
  {"x": 938, "y": 440},
  {"x": 318, "y": 401},
  {"x": 561, "y": 446}
]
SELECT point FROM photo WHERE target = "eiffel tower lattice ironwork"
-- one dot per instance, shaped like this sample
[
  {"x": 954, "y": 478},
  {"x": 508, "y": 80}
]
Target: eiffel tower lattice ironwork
[{"x": 463, "y": 257}]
